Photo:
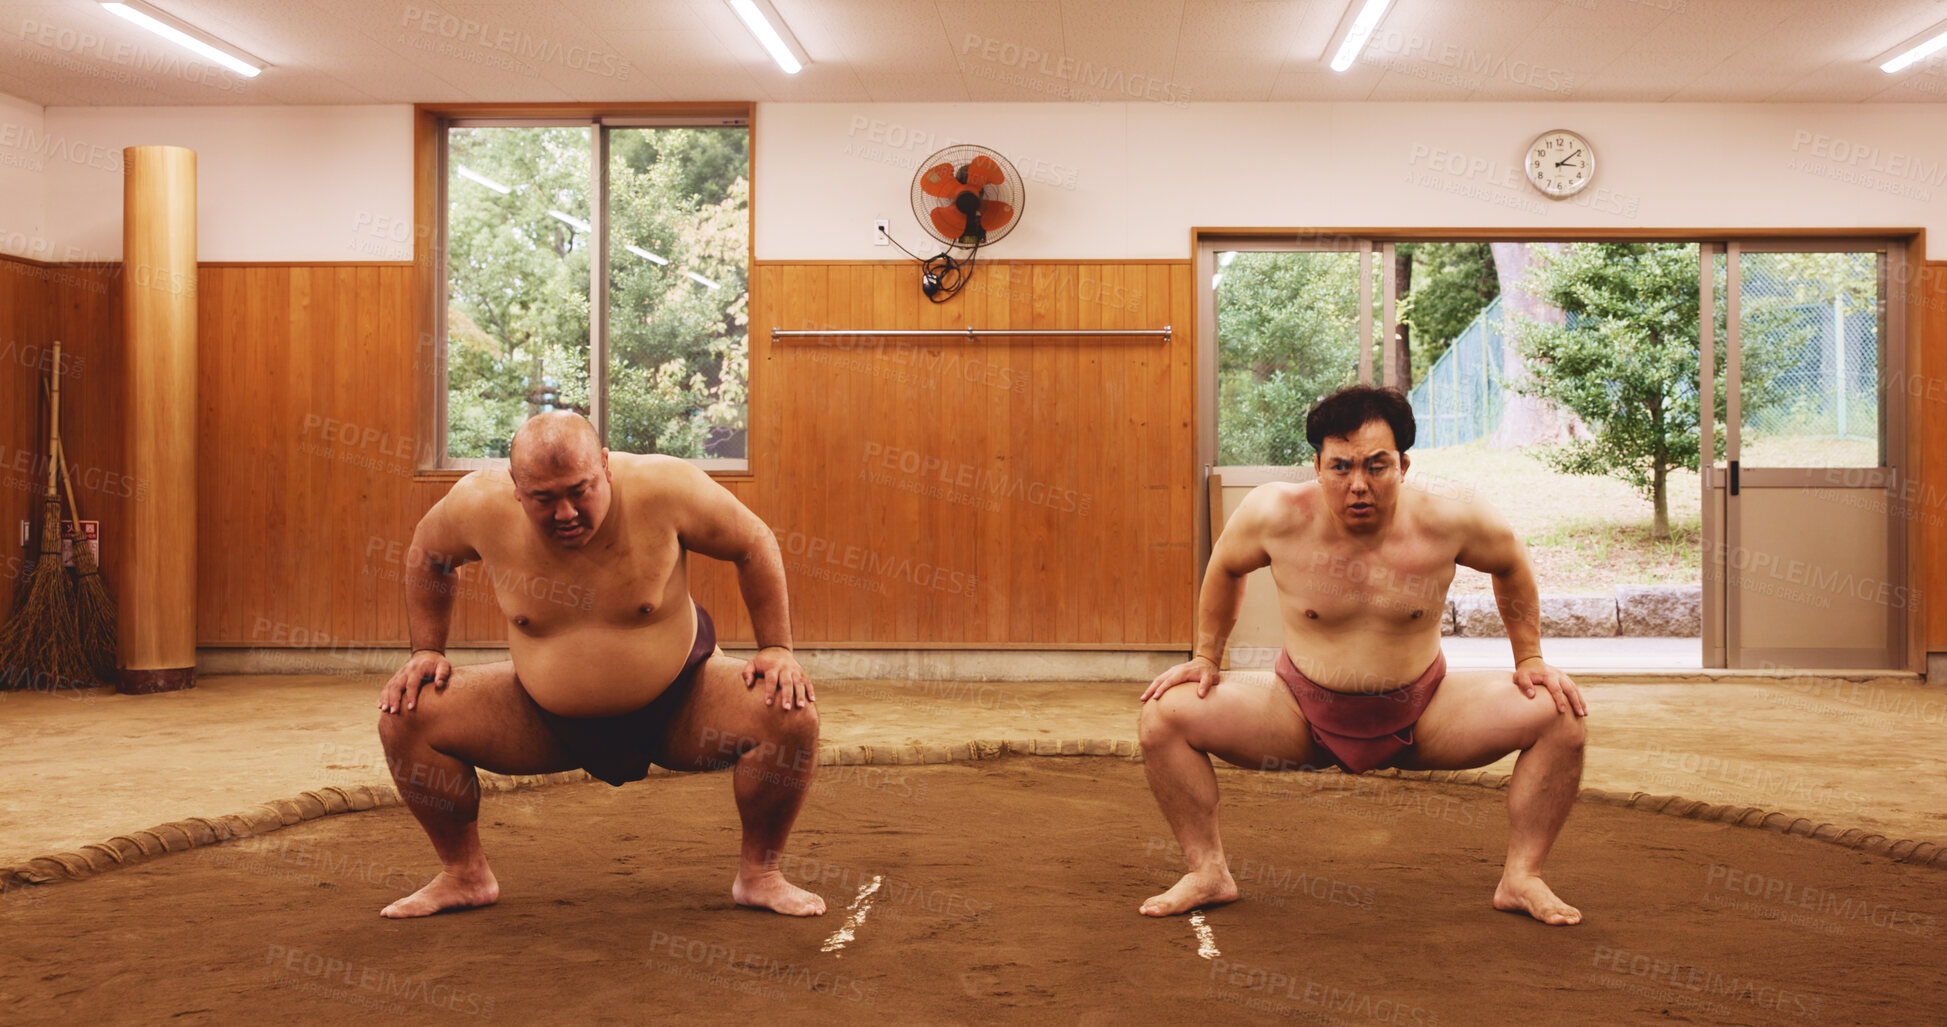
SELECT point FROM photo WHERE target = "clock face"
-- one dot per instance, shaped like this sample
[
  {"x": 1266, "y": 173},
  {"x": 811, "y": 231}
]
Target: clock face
[{"x": 1560, "y": 163}]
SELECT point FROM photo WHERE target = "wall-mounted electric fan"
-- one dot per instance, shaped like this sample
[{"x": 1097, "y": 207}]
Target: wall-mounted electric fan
[{"x": 966, "y": 197}]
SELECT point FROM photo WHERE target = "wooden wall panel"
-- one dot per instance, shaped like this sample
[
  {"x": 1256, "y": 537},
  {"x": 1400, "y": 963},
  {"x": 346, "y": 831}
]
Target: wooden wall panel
[
  {"x": 308, "y": 380},
  {"x": 309, "y": 390},
  {"x": 81, "y": 306},
  {"x": 23, "y": 310},
  {"x": 301, "y": 531},
  {"x": 1039, "y": 490},
  {"x": 1926, "y": 409}
]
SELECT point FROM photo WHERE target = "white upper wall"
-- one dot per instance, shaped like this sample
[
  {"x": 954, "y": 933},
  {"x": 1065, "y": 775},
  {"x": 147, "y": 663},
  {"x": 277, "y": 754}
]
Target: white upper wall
[
  {"x": 1104, "y": 181},
  {"x": 1130, "y": 180},
  {"x": 25, "y": 155},
  {"x": 273, "y": 183}
]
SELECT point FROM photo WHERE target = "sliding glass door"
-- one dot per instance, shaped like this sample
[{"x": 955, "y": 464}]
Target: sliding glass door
[{"x": 1805, "y": 542}]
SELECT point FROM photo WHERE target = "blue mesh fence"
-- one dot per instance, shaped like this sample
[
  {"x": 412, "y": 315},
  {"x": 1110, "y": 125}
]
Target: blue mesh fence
[
  {"x": 1461, "y": 397},
  {"x": 1830, "y": 385}
]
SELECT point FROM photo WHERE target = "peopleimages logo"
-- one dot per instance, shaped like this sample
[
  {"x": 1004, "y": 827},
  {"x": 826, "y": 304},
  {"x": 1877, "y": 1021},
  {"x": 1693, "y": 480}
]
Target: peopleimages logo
[
  {"x": 524, "y": 45},
  {"x": 74, "y": 43},
  {"x": 977, "y": 481},
  {"x": 58, "y": 148},
  {"x": 1107, "y": 78},
  {"x": 1865, "y": 156}
]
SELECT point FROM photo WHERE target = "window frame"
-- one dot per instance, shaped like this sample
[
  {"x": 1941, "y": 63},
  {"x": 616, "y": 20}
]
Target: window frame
[{"x": 430, "y": 125}]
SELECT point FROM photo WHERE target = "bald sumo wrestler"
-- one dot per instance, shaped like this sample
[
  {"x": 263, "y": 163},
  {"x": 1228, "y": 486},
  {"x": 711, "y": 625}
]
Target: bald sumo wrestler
[
  {"x": 1361, "y": 565},
  {"x": 614, "y": 666}
]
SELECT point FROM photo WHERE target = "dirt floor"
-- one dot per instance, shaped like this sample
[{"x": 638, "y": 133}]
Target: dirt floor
[{"x": 1006, "y": 893}]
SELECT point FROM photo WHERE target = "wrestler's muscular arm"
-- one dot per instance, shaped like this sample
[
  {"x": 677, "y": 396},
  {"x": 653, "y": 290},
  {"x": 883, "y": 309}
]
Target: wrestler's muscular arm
[
  {"x": 1239, "y": 551},
  {"x": 709, "y": 520},
  {"x": 1489, "y": 545},
  {"x": 439, "y": 547}
]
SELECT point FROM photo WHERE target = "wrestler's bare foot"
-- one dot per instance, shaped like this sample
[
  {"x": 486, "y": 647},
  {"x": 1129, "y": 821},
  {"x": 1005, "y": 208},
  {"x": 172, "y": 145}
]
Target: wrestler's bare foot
[
  {"x": 447, "y": 891},
  {"x": 1526, "y": 893},
  {"x": 767, "y": 889},
  {"x": 1193, "y": 891}
]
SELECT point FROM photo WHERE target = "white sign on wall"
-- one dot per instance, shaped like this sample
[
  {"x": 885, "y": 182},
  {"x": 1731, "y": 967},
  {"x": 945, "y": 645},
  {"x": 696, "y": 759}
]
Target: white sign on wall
[{"x": 90, "y": 530}]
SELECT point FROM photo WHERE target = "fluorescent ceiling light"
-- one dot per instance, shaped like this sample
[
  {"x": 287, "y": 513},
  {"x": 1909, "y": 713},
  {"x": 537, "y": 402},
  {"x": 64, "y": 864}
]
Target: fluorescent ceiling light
[
  {"x": 702, "y": 280},
  {"x": 645, "y": 254},
  {"x": 1362, "y": 27},
  {"x": 570, "y": 220},
  {"x": 186, "y": 35},
  {"x": 771, "y": 34},
  {"x": 474, "y": 176},
  {"x": 1917, "y": 49}
]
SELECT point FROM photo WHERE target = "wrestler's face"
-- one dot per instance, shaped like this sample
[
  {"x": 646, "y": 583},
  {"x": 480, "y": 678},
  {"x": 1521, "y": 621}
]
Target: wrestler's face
[
  {"x": 566, "y": 502},
  {"x": 1361, "y": 474}
]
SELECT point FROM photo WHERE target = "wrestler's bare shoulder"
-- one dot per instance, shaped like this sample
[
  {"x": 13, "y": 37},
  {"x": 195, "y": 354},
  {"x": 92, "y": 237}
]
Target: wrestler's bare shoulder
[
  {"x": 1448, "y": 507},
  {"x": 480, "y": 500},
  {"x": 655, "y": 478},
  {"x": 649, "y": 467},
  {"x": 1280, "y": 507}
]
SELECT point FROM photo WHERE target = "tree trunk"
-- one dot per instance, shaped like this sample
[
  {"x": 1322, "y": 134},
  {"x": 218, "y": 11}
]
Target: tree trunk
[
  {"x": 1403, "y": 285},
  {"x": 1527, "y": 420},
  {"x": 1660, "y": 497},
  {"x": 1659, "y": 471}
]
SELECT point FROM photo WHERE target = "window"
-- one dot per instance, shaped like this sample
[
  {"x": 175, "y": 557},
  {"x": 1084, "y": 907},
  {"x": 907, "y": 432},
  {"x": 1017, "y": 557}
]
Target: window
[
  {"x": 601, "y": 266},
  {"x": 1288, "y": 331}
]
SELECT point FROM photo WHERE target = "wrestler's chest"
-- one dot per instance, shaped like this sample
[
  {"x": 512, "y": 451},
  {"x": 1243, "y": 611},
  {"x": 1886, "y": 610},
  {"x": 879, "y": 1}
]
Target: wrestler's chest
[
  {"x": 625, "y": 586},
  {"x": 1403, "y": 583}
]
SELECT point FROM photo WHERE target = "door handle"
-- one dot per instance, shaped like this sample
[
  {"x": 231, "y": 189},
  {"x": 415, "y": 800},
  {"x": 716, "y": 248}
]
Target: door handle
[{"x": 1734, "y": 477}]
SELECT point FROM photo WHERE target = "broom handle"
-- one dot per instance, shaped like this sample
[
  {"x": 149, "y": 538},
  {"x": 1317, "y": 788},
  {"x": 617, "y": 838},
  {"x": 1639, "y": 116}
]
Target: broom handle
[
  {"x": 54, "y": 446},
  {"x": 67, "y": 484},
  {"x": 67, "y": 480}
]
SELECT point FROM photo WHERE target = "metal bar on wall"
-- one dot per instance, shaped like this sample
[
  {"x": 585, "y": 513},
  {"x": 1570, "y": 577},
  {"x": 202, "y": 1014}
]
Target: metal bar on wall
[{"x": 1162, "y": 334}]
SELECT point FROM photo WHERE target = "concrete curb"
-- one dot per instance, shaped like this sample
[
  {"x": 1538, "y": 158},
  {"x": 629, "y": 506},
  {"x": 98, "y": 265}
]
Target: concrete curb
[{"x": 198, "y": 832}]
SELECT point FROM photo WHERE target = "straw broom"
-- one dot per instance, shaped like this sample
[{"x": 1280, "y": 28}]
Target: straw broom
[
  {"x": 41, "y": 646},
  {"x": 96, "y": 607}
]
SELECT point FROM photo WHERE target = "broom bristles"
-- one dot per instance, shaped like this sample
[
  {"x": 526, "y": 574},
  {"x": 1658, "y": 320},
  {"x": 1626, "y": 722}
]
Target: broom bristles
[
  {"x": 94, "y": 606},
  {"x": 96, "y": 629},
  {"x": 40, "y": 647}
]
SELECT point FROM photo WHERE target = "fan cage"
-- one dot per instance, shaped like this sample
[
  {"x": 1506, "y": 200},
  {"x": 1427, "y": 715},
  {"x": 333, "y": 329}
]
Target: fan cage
[{"x": 960, "y": 155}]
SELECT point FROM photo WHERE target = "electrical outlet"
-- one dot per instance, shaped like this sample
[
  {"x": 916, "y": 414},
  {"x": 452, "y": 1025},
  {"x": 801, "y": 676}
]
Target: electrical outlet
[{"x": 879, "y": 228}]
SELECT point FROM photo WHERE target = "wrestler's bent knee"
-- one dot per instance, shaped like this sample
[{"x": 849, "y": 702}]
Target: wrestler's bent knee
[
  {"x": 1162, "y": 718},
  {"x": 796, "y": 728},
  {"x": 401, "y": 727},
  {"x": 1567, "y": 729}
]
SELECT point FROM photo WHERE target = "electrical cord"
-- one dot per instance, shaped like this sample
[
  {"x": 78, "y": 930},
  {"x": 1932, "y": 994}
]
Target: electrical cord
[{"x": 941, "y": 277}]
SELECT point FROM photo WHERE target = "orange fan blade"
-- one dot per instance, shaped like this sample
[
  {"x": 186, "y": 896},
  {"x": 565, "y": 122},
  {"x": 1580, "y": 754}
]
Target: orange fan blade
[
  {"x": 983, "y": 172},
  {"x": 994, "y": 214},
  {"x": 939, "y": 181},
  {"x": 949, "y": 221}
]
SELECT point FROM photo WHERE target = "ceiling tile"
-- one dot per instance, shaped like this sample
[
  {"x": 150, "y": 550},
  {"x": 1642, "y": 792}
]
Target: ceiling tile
[
  {"x": 402, "y": 51},
  {"x": 926, "y": 87},
  {"x": 1266, "y": 27},
  {"x": 1212, "y": 75}
]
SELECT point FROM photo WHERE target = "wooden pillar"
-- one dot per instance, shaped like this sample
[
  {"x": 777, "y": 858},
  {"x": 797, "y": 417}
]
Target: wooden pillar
[{"x": 158, "y": 600}]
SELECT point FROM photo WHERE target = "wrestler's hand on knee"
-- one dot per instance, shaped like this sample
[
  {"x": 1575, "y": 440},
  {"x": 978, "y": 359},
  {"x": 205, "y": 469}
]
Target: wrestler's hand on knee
[
  {"x": 1534, "y": 673},
  {"x": 779, "y": 668},
  {"x": 424, "y": 665},
  {"x": 1199, "y": 669}
]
